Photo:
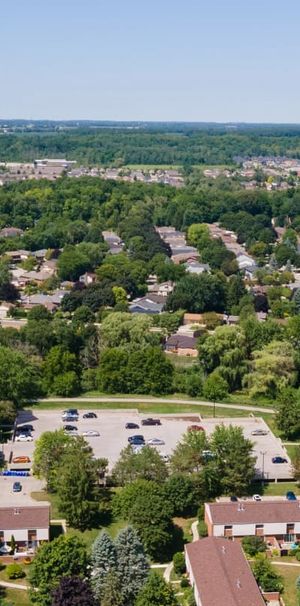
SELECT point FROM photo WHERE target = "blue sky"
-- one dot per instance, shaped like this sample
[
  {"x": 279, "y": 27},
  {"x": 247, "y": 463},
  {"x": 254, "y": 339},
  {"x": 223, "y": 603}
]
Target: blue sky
[{"x": 192, "y": 60}]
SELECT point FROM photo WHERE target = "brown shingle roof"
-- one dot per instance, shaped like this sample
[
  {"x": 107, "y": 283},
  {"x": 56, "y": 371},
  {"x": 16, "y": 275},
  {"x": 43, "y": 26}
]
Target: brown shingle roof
[
  {"x": 16, "y": 518},
  {"x": 222, "y": 574},
  {"x": 254, "y": 512}
]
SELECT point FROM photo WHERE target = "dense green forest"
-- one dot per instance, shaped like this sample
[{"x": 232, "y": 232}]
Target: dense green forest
[
  {"x": 177, "y": 144},
  {"x": 63, "y": 353}
]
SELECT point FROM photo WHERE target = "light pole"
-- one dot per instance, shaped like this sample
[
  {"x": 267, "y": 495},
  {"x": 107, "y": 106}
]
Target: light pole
[{"x": 263, "y": 453}]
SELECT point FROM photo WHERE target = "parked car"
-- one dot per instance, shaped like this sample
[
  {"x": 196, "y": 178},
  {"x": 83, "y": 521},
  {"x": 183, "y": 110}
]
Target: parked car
[
  {"x": 208, "y": 454},
  {"x": 25, "y": 428},
  {"x": 165, "y": 457},
  {"x": 26, "y": 437},
  {"x": 259, "y": 432},
  {"x": 279, "y": 460},
  {"x": 290, "y": 495},
  {"x": 136, "y": 437},
  {"x": 90, "y": 433},
  {"x": 233, "y": 499},
  {"x": 70, "y": 428},
  {"x": 21, "y": 459},
  {"x": 136, "y": 440},
  {"x": 256, "y": 497},
  {"x": 17, "y": 487},
  {"x": 89, "y": 415},
  {"x": 195, "y": 428},
  {"x": 151, "y": 421},
  {"x": 132, "y": 426},
  {"x": 70, "y": 415},
  {"x": 155, "y": 442},
  {"x": 137, "y": 448}
]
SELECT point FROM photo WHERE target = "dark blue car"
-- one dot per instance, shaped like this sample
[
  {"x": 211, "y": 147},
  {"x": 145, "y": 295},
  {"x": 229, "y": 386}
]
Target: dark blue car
[
  {"x": 17, "y": 487},
  {"x": 290, "y": 495}
]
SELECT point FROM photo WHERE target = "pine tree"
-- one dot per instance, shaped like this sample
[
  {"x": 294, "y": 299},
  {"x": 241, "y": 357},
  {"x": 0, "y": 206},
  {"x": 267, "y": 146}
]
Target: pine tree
[
  {"x": 133, "y": 566},
  {"x": 112, "y": 594},
  {"x": 104, "y": 560}
]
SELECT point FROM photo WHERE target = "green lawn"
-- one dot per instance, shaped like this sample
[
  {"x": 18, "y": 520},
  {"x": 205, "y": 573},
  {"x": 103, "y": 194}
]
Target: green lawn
[
  {"x": 290, "y": 575},
  {"x": 111, "y": 525},
  {"x": 42, "y": 495},
  {"x": 274, "y": 489},
  {"x": 158, "y": 408},
  {"x": 4, "y": 577},
  {"x": 17, "y": 597}
]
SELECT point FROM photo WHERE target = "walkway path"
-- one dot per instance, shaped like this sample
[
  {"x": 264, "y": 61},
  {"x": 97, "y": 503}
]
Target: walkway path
[
  {"x": 194, "y": 529},
  {"x": 285, "y": 563},
  {"x": 143, "y": 400},
  {"x": 13, "y": 585}
]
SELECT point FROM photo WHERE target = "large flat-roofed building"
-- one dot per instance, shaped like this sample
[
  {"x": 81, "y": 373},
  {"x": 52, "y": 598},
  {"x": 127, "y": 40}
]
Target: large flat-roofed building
[
  {"x": 220, "y": 574},
  {"x": 268, "y": 519},
  {"x": 28, "y": 524}
]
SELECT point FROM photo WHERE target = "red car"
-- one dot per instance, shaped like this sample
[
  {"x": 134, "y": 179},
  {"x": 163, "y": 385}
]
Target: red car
[
  {"x": 21, "y": 459},
  {"x": 195, "y": 428}
]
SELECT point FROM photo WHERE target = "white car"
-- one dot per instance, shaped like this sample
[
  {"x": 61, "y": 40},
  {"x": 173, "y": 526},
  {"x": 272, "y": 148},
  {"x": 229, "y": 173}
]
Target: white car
[
  {"x": 90, "y": 434},
  {"x": 24, "y": 438},
  {"x": 256, "y": 497},
  {"x": 137, "y": 448},
  {"x": 155, "y": 442}
]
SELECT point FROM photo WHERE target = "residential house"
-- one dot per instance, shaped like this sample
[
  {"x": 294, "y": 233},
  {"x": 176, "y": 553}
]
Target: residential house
[
  {"x": 245, "y": 262},
  {"x": 181, "y": 345},
  {"x": 150, "y": 304},
  {"x": 231, "y": 320},
  {"x": 113, "y": 241},
  {"x": 11, "y": 232},
  {"x": 270, "y": 519},
  {"x": 187, "y": 257},
  {"x": 189, "y": 318},
  {"x": 220, "y": 574},
  {"x": 16, "y": 256},
  {"x": 4, "y": 309},
  {"x": 163, "y": 289},
  {"x": 194, "y": 267},
  {"x": 29, "y": 524},
  {"x": 88, "y": 278}
]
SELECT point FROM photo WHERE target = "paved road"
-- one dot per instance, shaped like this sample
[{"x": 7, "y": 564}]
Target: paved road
[{"x": 142, "y": 400}]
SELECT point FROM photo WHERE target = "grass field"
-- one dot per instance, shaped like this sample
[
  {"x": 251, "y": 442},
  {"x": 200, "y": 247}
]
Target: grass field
[
  {"x": 158, "y": 408},
  {"x": 276, "y": 489},
  {"x": 290, "y": 575},
  {"x": 17, "y": 597}
]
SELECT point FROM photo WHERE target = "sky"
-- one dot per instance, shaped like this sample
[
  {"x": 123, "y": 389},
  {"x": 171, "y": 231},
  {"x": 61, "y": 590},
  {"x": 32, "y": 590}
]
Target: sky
[{"x": 180, "y": 60}]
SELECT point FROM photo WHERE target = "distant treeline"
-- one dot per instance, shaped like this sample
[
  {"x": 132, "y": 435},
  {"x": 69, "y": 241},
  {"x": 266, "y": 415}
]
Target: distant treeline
[{"x": 177, "y": 144}]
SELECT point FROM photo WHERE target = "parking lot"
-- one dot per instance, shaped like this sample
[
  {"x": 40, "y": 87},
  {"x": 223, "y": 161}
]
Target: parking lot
[{"x": 114, "y": 437}]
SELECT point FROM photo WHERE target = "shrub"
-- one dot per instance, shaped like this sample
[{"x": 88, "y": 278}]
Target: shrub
[
  {"x": 253, "y": 545},
  {"x": 179, "y": 563},
  {"x": 15, "y": 571},
  {"x": 200, "y": 513},
  {"x": 202, "y": 529},
  {"x": 292, "y": 552},
  {"x": 298, "y": 554},
  {"x": 184, "y": 583}
]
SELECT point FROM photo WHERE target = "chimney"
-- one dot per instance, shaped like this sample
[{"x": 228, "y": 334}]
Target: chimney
[{"x": 238, "y": 584}]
